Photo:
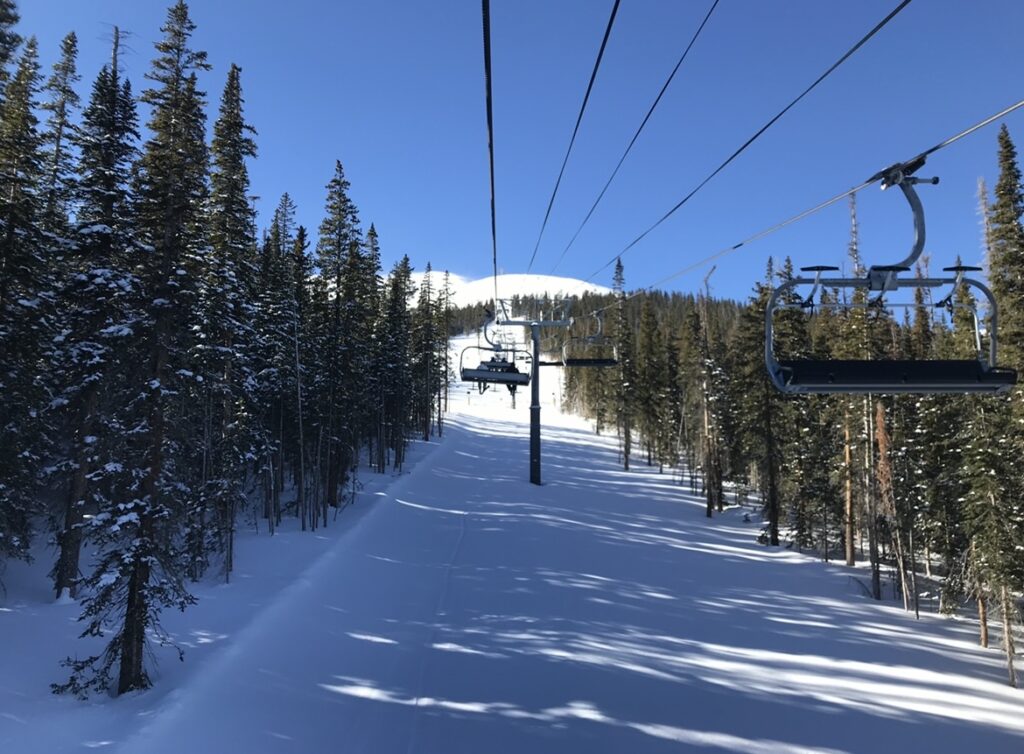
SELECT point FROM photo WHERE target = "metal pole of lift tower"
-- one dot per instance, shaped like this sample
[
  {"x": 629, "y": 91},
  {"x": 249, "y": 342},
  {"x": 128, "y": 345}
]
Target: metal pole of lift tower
[{"x": 535, "y": 326}]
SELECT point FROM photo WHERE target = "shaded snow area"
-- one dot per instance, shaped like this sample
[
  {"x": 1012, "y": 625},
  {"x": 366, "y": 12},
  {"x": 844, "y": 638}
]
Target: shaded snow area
[{"x": 460, "y": 609}]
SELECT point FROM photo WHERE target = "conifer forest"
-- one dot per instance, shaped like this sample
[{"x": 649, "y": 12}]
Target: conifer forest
[
  {"x": 179, "y": 371},
  {"x": 168, "y": 368}
]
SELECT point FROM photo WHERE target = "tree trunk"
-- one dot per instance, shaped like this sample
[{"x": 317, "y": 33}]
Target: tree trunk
[
  {"x": 869, "y": 492},
  {"x": 982, "y": 620},
  {"x": 627, "y": 443},
  {"x": 300, "y": 476},
  {"x": 849, "y": 527},
  {"x": 70, "y": 538},
  {"x": 1007, "y": 609},
  {"x": 131, "y": 673}
]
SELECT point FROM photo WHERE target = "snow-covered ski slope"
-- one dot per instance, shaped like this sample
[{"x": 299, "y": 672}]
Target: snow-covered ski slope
[
  {"x": 468, "y": 611},
  {"x": 465, "y": 292}
]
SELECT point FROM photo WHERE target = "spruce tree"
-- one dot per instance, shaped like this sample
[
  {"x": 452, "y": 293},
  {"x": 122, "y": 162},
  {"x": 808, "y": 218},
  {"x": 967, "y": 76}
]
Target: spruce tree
[
  {"x": 395, "y": 365},
  {"x": 60, "y": 102},
  {"x": 625, "y": 382},
  {"x": 9, "y": 39},
  {"x": 424, "y": 362},
  {"x": 763, "y": 417},
  {"x": 995, "y": 512},
  {"x": 339, "y": 260},
  {"x": 140, "y": 566},
  {"x": 652, "y": 384},
  {"x": 223, "y": 347},
  {"x": 25, "y": 305},
  {"x": 90, "y": 361}
]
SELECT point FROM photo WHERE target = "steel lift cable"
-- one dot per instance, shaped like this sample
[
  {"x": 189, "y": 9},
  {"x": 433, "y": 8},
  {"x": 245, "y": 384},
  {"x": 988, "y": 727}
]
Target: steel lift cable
[
  {"x": 816, "y": 208},
  {"x": 486, "y": 12},
  {"x": 863, "y": 40},
  {"x": 643, "y": 123},
  {"x": 579, "y": 119}
]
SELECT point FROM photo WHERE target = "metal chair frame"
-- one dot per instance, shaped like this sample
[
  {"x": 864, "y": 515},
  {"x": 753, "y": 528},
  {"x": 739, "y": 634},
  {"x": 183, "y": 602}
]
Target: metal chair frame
[
  {"x": 806, "y": 376},
  {"x": 595, "y": 342}
]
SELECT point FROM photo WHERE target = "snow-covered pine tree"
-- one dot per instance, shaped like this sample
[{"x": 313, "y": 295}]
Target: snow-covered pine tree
[
  {"x": 9, "y": 40},
  {"x": 444, "y": 306},
  {"x": 763, "y": 421},
  {"x": 339, "y": 260},
  {"x": 995, "y": 510},
  {"x": 60, "y": 100},
  {"x": 273, "y": 359},
  {"x": 625, "y": 381},
  {"x": 300, "y": 311},
  {"x": 25, "y": 305},
  {"x": 223, "y": 344},
  {"x": 652, "y": 385},
  {"x": 394, "y": 336},
  {"x": 90, "y": 358},
  {"x": 139, "y": 566},
  {"x": 424, "y": 356}
]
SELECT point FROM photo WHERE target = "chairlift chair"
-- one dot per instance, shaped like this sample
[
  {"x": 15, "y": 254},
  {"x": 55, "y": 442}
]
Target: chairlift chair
[
  {"x": 595, "y": 350},
  {"x": 893, "y": 376},
  {"x": 498, "y": 369}
]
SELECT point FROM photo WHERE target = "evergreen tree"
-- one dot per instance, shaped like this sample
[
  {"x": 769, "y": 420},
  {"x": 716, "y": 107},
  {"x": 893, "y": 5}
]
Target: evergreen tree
[
  {"x": 9, "y": 39},
  {"x": 25, "y": 305},
  {"x": 60, "y": 102},
  {"x": 394, "y": 365},
  {"x": 424, "y": 365},
  {"x": 626, "y": 377},
  {"x": 340, "y": 261},
  {"x": 140, "y": 568},
  {"x": 763, "y": 417},
  {"x": 994, "y": 509},
  {"x": 223, "y": 346},
  {"x": 652, "y": 384},
  {"x": 90, "y": 359}
]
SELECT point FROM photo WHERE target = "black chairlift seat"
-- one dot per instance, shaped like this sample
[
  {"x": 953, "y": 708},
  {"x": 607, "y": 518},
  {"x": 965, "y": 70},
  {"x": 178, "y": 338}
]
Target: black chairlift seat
[
  {"x": 892, "y": 377},
  {"x": 484, "y": 373},
  {"x": 588, "y": 362},
  {"x": 499, "y": 369}
]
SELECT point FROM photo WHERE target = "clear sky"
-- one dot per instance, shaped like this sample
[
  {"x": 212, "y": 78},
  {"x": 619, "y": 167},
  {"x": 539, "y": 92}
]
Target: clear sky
[{"x": 395, "y": 91}]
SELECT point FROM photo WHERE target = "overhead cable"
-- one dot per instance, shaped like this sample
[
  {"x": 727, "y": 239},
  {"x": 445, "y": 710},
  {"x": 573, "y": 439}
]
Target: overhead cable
[
  {"x": 863, "y": 40},
  {"x": 486, "y": 12},
  {"x": 579, "y": 119},
  {"x": 643, "y": 123},
  {"x": 818, "y": 207}
]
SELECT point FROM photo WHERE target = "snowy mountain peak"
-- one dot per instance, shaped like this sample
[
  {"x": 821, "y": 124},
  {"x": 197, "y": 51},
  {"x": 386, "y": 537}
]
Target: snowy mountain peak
[{"x": 468, "y": 292}]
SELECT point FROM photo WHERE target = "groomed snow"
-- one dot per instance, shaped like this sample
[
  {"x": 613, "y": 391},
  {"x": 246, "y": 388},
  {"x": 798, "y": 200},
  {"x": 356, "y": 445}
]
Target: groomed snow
[{"x": 464, "y": 610}]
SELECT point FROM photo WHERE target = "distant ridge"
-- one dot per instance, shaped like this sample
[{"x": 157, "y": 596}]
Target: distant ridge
[{"x": 468, "y": 292}]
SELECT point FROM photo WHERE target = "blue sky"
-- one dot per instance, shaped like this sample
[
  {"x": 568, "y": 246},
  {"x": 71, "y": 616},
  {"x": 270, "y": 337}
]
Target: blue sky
[{"x": 395, "y": 91}]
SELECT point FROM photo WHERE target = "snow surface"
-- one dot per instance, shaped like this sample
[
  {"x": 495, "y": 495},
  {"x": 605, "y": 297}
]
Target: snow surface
[
  {"x": 468, "y": 292},
  {"x": 460, "y": 609}
]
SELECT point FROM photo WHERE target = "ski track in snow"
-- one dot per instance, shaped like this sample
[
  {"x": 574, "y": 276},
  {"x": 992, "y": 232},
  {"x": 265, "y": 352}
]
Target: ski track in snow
[{"x": 464, "y": 610}]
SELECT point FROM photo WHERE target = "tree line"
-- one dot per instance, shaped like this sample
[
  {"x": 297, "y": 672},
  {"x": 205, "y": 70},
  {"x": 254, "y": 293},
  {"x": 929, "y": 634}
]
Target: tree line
[
  {"x": 167, "y": 369},
  {"x": 925, "y": 487}
]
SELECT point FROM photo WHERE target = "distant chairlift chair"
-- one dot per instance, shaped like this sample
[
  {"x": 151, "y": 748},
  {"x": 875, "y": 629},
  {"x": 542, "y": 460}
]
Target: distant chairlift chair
[
  {"x": 977, "y": 375},
  {"x": 499, "y": 369},
  {"x": 596, "y": 350}
]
